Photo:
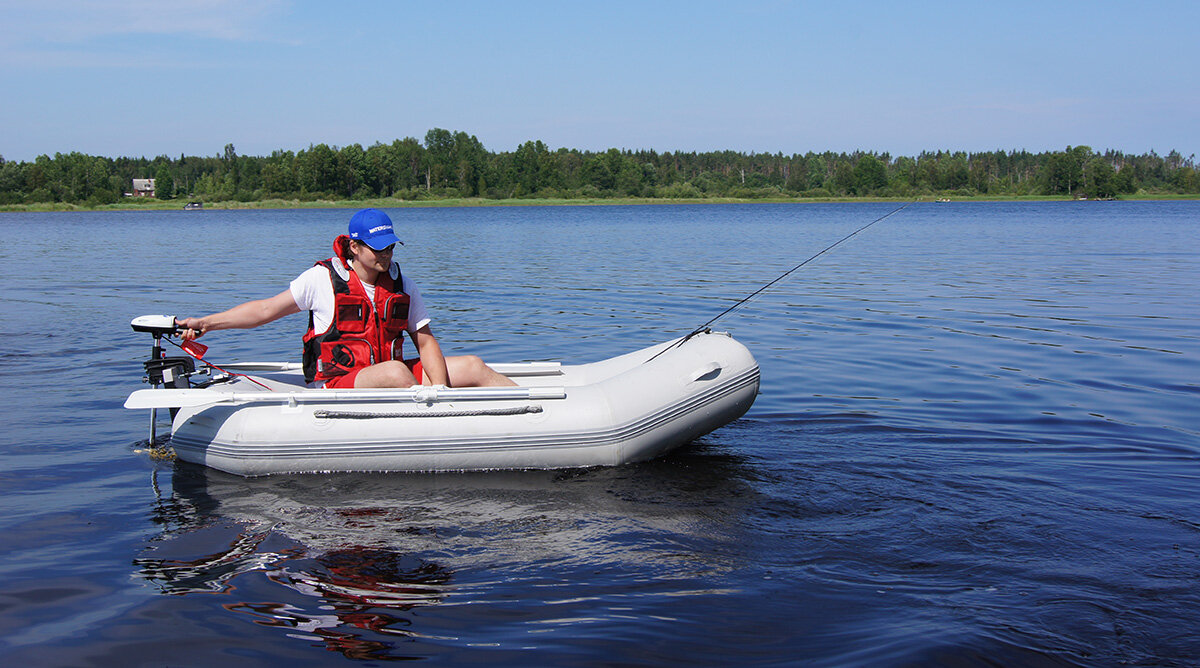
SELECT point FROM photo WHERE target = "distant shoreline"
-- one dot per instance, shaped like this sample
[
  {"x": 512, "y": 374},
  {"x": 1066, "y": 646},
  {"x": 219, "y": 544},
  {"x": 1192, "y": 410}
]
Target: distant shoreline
[{"x": 392, "y": 203}]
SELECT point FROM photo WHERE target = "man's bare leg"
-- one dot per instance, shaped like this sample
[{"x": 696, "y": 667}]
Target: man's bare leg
[
  {"x": 470, "y": 371},
  {"x": 385, "y": 374}
]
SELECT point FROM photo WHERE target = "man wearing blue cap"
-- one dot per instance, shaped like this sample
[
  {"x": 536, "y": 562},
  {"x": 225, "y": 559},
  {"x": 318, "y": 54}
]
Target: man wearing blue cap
[{"x": 360, "y": 309}]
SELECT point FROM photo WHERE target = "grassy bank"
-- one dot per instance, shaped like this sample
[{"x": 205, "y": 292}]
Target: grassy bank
[{"x": 150, "y": 204}]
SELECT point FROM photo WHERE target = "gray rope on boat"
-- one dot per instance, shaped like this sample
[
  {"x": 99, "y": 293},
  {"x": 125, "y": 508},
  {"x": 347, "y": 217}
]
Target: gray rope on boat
[{"x": 349, "y": 415}]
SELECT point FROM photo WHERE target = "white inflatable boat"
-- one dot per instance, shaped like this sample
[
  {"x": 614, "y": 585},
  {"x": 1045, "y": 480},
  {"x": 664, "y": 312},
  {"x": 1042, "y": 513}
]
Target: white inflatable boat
[{"x": 626, "y": 409}]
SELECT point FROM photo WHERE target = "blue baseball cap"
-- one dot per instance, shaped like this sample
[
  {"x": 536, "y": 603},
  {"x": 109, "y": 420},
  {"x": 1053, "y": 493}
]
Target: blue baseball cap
[{"x": 373, "y": 228}]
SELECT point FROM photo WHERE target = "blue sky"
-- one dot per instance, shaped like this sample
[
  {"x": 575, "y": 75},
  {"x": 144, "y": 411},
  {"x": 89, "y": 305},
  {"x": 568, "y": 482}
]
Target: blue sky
[{"x": 168, "y": 77}]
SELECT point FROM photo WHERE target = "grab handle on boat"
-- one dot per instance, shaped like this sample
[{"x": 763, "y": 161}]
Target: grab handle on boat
[{"x": 706, "y": 372}]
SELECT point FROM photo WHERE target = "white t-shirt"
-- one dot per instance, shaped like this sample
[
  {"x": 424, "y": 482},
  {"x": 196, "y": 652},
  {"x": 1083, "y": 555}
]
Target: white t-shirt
[{"x": 313, "y": 291}]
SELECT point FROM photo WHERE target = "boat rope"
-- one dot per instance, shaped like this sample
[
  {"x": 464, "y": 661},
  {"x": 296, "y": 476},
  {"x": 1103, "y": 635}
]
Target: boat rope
[
  {"x": 358, "y": 415},
  {"x": 705, "y": 327}
]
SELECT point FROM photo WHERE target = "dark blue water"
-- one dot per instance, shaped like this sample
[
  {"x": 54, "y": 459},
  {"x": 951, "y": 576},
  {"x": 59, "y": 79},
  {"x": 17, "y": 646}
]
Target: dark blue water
[{"x": 977, "y": 443}]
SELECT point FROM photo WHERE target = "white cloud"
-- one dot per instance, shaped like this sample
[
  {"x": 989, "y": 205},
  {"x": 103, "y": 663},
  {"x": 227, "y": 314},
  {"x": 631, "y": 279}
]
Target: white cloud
[
  {"x": 87, "y": 35},
  {"x": 37, "y": 22}
]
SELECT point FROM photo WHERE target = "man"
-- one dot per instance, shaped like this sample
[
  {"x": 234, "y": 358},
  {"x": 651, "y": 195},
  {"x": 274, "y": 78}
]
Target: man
[{"x": 360, "y": 309}]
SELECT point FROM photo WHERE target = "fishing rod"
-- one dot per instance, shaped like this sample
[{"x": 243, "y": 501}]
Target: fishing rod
[{"x": 752, "y": 295}]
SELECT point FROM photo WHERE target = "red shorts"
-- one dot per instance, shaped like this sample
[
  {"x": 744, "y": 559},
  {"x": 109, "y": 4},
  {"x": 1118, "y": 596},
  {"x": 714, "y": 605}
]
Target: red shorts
[{"x": 347, "y": 381}]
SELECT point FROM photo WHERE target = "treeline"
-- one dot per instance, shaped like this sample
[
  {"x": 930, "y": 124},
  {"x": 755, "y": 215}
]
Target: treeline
[{"x": 454, "y": 164}]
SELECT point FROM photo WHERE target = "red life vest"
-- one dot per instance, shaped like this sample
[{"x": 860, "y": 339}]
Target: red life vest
[{"x": 364, "y": 331}]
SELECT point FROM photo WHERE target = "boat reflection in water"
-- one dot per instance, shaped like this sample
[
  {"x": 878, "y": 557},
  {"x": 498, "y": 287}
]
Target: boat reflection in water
[
  {"x": 345, "y": 596},
  {"x": 344, "y": 559},
  {"x": 359, "y": 589}
]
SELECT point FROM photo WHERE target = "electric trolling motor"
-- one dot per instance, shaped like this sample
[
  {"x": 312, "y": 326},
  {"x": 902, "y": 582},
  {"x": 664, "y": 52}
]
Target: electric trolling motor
[{"x": 175, "y": 372}]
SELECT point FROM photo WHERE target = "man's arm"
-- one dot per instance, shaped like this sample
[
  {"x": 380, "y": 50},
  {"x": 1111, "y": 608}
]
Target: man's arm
[
  {"x": 243, "y": 316},
  {"x": 432, "y": 360}
]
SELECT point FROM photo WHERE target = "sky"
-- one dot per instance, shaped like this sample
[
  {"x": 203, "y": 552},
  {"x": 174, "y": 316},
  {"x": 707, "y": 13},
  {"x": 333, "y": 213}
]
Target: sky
[{"x": 170, "y": 77}]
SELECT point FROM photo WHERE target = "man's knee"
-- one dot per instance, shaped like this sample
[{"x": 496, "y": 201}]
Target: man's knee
[
  {"x": 465, "y": 370},
  {"x": 398, "y": 374},
  {"x": 392, "y": 373}
]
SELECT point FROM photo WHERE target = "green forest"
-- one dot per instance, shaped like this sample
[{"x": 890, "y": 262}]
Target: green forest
[{"x": 451, "y": 165}]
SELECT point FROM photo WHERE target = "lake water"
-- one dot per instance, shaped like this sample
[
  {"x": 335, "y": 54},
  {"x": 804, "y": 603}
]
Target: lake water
[{"x": 977, "y": 443}]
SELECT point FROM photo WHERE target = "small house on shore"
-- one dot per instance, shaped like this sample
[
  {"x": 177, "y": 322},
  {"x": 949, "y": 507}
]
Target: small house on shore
[{"x": 143, "y": 188}]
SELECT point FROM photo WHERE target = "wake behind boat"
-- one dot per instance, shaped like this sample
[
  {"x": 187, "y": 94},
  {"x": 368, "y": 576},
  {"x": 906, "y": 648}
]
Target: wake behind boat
[{"x": 625, "y": 409}]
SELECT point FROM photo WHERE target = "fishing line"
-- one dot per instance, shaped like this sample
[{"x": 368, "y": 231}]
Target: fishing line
[{"x": 782, "y": 276}]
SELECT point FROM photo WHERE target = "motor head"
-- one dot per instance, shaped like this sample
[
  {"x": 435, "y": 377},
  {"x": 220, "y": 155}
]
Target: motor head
[{"x": 158, "y": 325}]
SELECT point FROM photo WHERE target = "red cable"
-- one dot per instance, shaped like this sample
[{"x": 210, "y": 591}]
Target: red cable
[{"x": 197, "y": 350}]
